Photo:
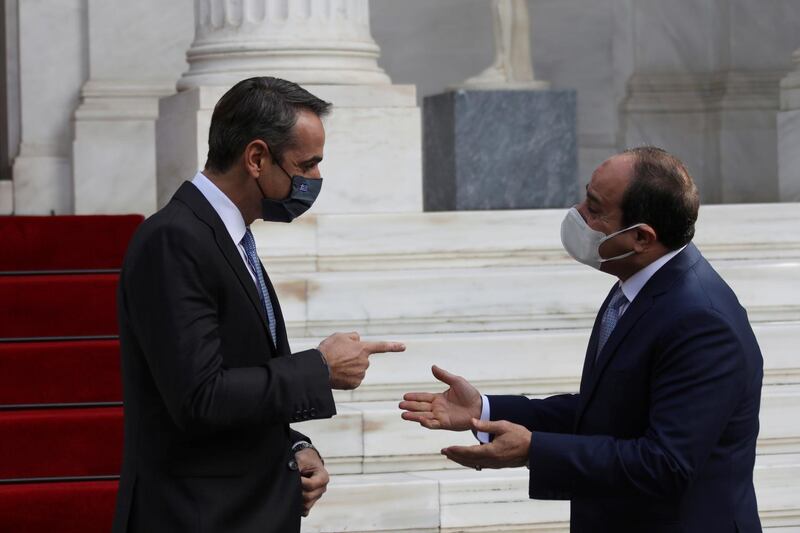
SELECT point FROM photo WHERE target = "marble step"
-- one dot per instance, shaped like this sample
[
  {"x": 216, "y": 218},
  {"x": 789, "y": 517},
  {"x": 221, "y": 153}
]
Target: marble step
[
  {"x": 450, "y": 501},
  {"x": 496, "y": 299},
  {"x": 495, "y": 238},
  {"x": 370, "y": 437},
  {"x": 537, "y": 362}
]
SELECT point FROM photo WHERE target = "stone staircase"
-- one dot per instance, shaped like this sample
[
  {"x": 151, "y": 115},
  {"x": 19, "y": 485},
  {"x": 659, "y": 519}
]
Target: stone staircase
[{"x": 492, "y": 296}]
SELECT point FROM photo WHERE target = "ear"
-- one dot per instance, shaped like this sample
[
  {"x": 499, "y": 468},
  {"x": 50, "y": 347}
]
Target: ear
[
  {"x": 255, "y": 157},
  {"x": 644, "y": 237}
]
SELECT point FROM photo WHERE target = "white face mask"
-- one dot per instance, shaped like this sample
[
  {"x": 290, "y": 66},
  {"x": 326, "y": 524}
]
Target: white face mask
[{"x": 583, "y": 243}]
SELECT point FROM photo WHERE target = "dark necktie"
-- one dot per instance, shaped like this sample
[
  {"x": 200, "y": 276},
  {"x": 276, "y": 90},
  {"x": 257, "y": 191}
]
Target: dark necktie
[
  {"x": 249, "y": 244},
  {"x": 610, "y": 318}
]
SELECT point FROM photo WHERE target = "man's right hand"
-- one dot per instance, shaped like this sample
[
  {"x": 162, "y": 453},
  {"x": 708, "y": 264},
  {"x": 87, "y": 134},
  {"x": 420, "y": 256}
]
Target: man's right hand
[
  {"x": 452, "y": 409},
  {"x": 348, "y": 357}
]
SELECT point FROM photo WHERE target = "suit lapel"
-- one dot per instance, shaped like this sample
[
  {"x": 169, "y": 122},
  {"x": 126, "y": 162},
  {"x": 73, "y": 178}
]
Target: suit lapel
[
  {"x": 591, "y": 350},
  {"x": 658, "y": 284},
  {"x": 192, "y": 197}
]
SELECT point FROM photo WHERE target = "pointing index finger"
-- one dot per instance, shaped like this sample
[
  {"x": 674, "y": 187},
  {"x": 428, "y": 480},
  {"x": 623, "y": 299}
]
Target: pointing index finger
[{"x": 384, "y": 347}]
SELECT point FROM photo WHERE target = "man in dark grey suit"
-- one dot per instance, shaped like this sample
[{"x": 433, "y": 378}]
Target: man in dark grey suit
[{"x": 210, "y": 383}]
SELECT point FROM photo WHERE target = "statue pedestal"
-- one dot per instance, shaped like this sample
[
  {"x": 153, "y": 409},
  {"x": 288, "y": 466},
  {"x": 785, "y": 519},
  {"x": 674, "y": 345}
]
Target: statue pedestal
[{"x": 506, "y": 149}]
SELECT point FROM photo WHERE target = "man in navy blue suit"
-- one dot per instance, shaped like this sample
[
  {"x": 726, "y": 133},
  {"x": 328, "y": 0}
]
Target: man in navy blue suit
[{"x": 662, "y": 435}]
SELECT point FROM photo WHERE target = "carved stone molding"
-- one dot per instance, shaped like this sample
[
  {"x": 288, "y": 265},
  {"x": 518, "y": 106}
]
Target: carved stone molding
[
  {"x": 306, "y": 41},
  {"x": 680, "y": 92}
]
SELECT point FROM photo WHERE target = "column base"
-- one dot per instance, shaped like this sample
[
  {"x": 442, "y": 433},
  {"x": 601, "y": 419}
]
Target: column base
[
  {"x": 115, "y": 167},
  {"x": 6, "y": 197},
  {"x": 114, "y": 152},
  {"x": 373, "y": 154},
  {"x": 42, "y": 185}
]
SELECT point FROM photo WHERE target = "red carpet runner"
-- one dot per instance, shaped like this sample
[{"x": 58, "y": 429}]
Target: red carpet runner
[{"x": 60, "y": 392}]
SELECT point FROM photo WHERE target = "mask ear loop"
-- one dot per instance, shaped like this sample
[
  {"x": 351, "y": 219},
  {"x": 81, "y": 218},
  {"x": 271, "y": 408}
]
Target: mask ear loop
[
  {"x": 275, "y": 161},
  {"x": 258, "y": 184},
  {"x": 621, "y": 256}
]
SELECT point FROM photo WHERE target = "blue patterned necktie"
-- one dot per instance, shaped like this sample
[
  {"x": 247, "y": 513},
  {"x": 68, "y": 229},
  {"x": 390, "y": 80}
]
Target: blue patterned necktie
[
  {"x": 610, "y": 318},
  {"x": 249, "y": 244}
]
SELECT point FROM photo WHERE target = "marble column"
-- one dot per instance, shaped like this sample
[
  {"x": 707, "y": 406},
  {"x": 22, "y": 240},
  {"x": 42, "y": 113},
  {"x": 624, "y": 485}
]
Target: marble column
[
  {"x": 373, "y": 154},
  {"x": 136, "y": 53},
  {"x": 308, "y": 42},
  {"x": 52, "y": 68},
  {"x": 789, "y": 135}
]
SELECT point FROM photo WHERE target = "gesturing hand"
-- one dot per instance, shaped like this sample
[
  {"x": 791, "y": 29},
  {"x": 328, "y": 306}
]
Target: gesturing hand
[
  {"x": 452, "y": 409},
  {"x": 348, "y": 357},
  {"x": 509, "y": 447},
  {"x": 314, "y": 477}
]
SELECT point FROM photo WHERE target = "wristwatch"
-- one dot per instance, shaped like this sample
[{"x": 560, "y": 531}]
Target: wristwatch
[
  {"x": 299, "y": 446},
  {"x": 302, "y": 445}
]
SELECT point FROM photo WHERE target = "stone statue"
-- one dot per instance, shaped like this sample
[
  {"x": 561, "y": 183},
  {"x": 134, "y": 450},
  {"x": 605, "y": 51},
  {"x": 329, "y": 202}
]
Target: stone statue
[{"x": 512, "y": 67}]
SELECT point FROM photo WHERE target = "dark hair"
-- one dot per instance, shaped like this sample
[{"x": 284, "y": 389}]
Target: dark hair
[
  {"x": 661, "y": 194},
  {"x": 257, "y": 108}
]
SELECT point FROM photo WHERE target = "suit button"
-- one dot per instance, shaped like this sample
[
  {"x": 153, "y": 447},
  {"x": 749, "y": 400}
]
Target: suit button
[
  {"x": 313, "y": 411},
  {"x": 292, "y": 465}
]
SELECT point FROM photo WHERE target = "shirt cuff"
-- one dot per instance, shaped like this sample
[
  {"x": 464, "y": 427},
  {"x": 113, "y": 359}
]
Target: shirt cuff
[{"x": 486, "y": 416}]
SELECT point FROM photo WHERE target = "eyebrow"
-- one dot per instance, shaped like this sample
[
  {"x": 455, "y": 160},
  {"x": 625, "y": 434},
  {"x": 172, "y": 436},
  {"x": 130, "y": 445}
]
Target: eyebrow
[
  {"x": 591, "y": 196},
  {"x": 311, "y": 162}
]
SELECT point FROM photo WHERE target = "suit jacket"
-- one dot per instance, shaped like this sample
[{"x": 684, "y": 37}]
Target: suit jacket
[
  {"x": 662, "y": 436},
  {"x": 208, "y": 394}
]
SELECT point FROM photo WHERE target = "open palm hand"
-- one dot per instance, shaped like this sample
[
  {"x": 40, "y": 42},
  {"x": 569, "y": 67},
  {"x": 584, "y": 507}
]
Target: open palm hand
[{"x": 452, "y": 409}]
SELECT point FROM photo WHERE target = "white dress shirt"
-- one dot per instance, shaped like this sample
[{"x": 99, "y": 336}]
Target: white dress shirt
[
  {"x": 630, "y": 288},
  {"x": 231, "y": 216}
]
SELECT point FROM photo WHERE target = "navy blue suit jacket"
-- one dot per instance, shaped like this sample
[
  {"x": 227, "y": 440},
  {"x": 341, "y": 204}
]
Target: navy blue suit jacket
[{"x": 662, "y": 436}]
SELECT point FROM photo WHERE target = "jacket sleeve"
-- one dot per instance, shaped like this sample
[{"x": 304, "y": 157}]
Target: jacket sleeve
[
  {"x": 555, "y": 414},
  {"x": 296, "y": 436},
  {"x": 697, "y": 381},
  {"x": 171, "y": 304}
]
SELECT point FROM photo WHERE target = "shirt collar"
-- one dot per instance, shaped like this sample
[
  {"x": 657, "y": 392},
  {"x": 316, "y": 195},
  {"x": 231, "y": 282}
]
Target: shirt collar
[
  {"x": 634, "y": 284},
  {"x": 225, "y": 208}
]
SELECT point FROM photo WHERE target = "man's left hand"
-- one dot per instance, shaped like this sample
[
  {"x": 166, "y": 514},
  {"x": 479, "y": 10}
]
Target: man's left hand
[
  {"x": 509, "y": 447},
  {"x": 313, "y": 477}
]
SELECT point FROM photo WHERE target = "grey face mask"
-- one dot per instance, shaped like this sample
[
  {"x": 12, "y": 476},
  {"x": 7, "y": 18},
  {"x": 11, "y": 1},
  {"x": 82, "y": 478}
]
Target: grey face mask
[
  {"x": 583, "y": 243},
  {"x": 302, "y": 196}
]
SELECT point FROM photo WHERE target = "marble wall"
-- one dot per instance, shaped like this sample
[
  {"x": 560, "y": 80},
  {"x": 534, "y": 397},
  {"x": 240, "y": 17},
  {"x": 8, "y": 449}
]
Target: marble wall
[
  {"x": 704, "y": 86},
  {"x": 789, "y": 135}
]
